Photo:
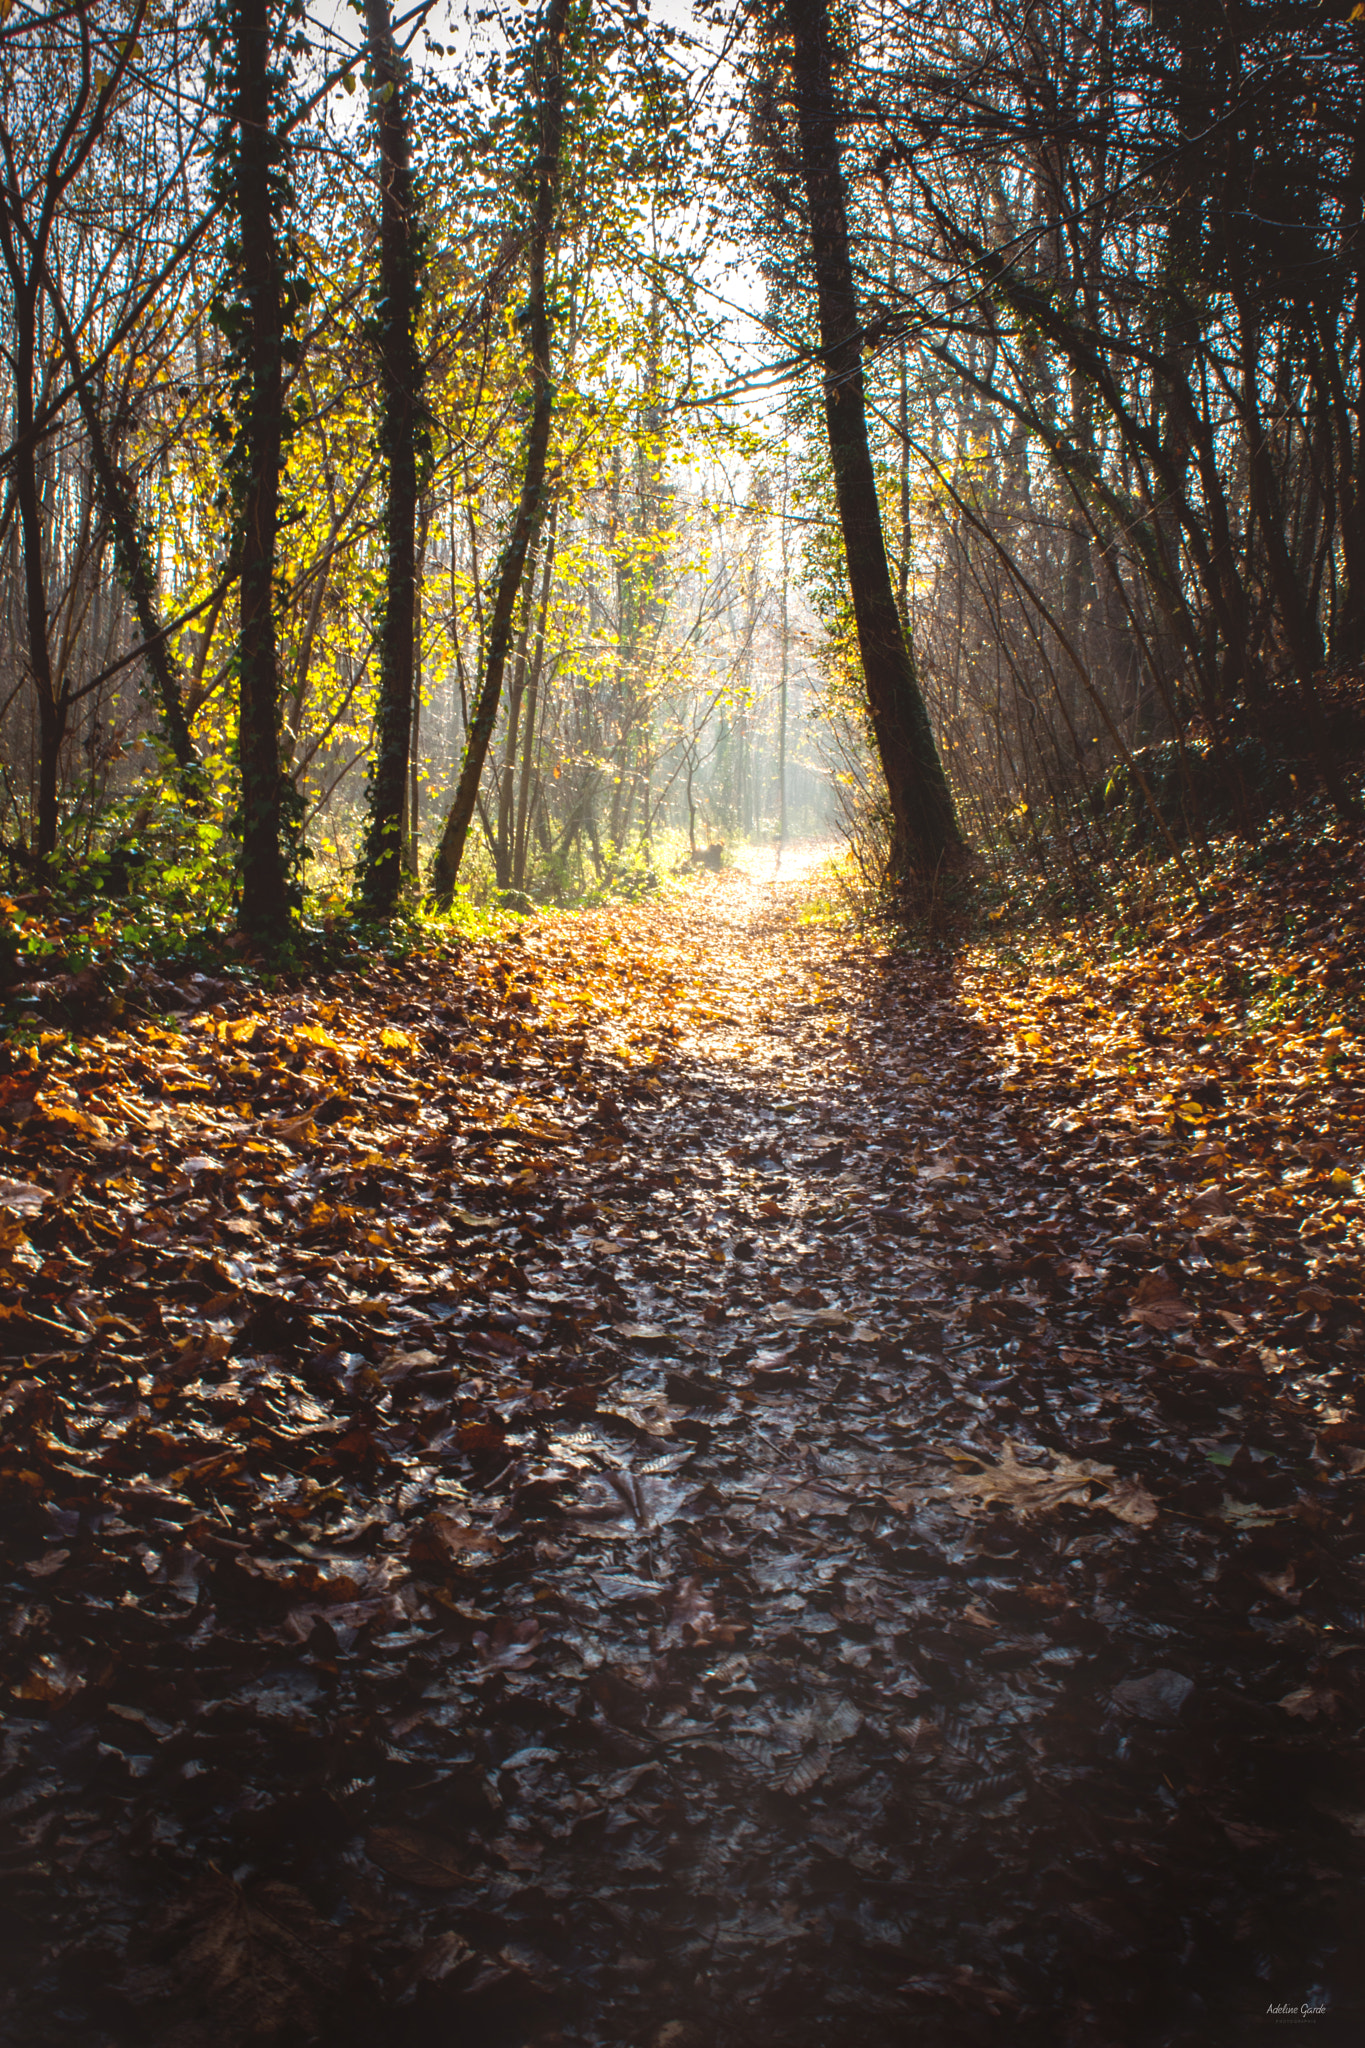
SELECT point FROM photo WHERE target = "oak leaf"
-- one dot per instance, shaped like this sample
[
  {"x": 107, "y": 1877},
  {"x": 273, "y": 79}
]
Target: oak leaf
[{"x": 1038, "y": 1489}]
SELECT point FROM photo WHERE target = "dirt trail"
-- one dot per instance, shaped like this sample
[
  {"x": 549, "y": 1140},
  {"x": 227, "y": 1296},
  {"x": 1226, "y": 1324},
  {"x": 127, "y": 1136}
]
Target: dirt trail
[{"x": 769, "y": 1606}]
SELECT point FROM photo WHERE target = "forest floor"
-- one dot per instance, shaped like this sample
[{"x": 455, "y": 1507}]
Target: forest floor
[{"x": 676, "y": 1481}]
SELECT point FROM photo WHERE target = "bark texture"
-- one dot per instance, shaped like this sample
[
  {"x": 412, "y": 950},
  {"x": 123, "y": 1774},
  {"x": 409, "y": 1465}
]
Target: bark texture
[
  {"x": 400, "y": 381},
  {"x": 925, "y": 831},
  {"x": 265, "y": 892}
]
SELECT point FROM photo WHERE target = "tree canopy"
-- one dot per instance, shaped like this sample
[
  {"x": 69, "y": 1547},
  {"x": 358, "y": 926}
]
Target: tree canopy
[{"x": 470, "y": 451}]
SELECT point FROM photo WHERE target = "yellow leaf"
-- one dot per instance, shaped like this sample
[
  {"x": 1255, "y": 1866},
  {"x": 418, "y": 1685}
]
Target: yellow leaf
[{"x": 63, "y": 1113}]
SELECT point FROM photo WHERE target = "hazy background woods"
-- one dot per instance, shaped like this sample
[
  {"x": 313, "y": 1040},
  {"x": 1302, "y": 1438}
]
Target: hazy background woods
[{"x": 1108, "y": 277}]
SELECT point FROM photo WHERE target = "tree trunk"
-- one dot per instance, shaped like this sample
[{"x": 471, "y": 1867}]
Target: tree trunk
[
  {"x": 502, "y": 839},
  {"x": 413, "y": 818},
  {"x": 52, "y": 702},
  {"x": 265, "y": 891},
  {"x": 785, "y": 658},
  {"x": 381, "y": 870},
  {"x": 532, "y": 711},
  {"x": 531, "y": 508},
  {"x": 924, "y": 822}
]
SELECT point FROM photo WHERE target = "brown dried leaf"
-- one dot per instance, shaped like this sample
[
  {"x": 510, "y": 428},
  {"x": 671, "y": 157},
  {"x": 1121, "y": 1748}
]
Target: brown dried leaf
[
  {"x": 418, "y": 1857},
  {"x": 445, "y": 1540},
  {"x": 1037, "y": 1489},
  {"x": 511, "y": 1647},
  {"x": 1158, "y": 1303},
  {"x": 242, "y": 1967},
  {"x": 1307, "y": 1702},
  {"x": 807, "y": 1772}
]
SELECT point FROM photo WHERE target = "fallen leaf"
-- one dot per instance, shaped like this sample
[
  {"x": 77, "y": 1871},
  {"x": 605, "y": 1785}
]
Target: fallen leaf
[
  {"x": 1031, "y": 1489},
  {"x": 1308, "y": 1702},
  {"x": 418, "y": 1857},
  {"x": 446, "y": 1956},
  {"x": 1158, "y": 1303},
  {"x": 52, "y": 1561},
  {"x": 805, "y": 1773},
  {"x": 445, "y": 1540},
  {"x": 511, "y": 1646},
  {"x": 248, "y": 1963},
  {"x": 1157, "y": 1697}
]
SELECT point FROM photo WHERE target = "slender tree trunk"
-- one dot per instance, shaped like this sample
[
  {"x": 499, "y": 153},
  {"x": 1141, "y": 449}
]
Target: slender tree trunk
[
  {"x": 52, "y": 702},
  {"x": 785, "y": 655},
  {"x": 414, "y": 813},
  {"x": 265, "y": 892},
  {"x": 502, "y": 840},
  {"x": 924, "y": 822},
  {"x": 530, "y": 510},
  {"x": 381, "y": 871},
  {"x": 532, "y": 711}
]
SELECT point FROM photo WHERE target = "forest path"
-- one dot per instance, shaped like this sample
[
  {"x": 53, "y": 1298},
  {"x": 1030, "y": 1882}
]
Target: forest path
[{"x": 603, "y": 1497}]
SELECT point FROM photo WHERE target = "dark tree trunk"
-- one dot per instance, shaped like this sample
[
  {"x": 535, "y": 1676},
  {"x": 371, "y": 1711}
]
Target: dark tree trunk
[
  {"x": 265, "y": 889},
  {"x": 531, "y": 508},
  {"x": 381, "y": 871},
  {"x": 52, "y": 701},
  {"x": 924, "y": 822}
]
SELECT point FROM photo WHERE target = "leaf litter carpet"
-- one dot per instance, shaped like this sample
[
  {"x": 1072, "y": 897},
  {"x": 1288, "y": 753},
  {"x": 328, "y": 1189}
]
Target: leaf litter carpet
[{"x": 663, "y": 1484}]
